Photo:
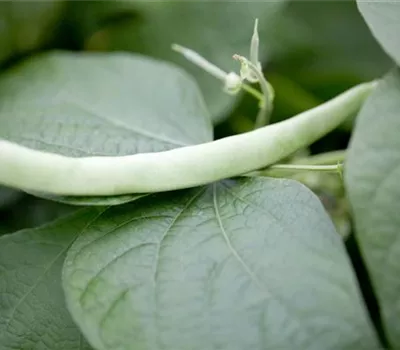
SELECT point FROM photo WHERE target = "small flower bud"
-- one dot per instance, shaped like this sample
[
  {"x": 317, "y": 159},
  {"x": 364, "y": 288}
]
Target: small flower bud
[{"x": 233, "y": 83}]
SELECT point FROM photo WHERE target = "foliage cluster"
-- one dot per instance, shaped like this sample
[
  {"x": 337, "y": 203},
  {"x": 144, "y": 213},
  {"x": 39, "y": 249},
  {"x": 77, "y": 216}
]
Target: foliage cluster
[{"x": 271, "y": 260}]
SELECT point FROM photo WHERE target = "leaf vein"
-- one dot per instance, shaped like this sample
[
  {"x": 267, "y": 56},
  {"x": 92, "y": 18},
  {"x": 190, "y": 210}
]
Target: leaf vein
[
  {"x": 48, "y": 267},
  {"x": 114, "y": 260},
  {"x": 157, "y": 257},
  {"x": 232, "y": 249},
  {"x": 117, "y": 123}
]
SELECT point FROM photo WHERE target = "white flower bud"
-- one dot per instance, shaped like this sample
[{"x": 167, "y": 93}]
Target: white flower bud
[{"x": 233, "y": 83}]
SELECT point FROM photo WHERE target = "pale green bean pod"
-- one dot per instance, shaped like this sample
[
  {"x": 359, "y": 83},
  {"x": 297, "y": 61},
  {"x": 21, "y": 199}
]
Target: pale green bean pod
[{"x": 33, "y": 170}]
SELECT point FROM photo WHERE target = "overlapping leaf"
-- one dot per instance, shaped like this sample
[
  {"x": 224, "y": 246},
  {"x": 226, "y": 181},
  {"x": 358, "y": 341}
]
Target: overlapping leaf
[
  {"x": 249, "y": 264},
  {"x": 383, "y": 18},
  {"x": 372, "y": 178},
  {"x": 32, "y": 308}
]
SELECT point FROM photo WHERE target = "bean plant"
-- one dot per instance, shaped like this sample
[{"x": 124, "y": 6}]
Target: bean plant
[{"x": 180, "y": 206}]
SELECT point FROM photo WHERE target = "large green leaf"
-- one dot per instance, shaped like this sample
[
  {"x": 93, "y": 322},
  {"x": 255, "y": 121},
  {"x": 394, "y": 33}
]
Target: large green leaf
[
  {"x": 383, "y": 18},
  {"x": 372, "y": 178},
  {"x": 26, "y": 25},
  {"x": 215, "y": 29},
  {"x": 32, "y": 308},
  {"x": 247, "y": 264},
  {"x": 101, "y": 104}
]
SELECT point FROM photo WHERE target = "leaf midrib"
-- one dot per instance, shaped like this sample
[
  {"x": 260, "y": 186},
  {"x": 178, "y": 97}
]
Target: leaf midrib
[{"x": 119, "y": 124}]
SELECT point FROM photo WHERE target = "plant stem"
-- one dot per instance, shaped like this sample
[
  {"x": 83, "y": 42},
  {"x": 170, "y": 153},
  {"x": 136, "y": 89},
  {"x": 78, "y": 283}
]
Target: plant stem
[
  {"x": 184, "y": 167},
  {"x": 264, "y": 113},
  {"x": 326, "y": 158},
  {"x": 303, "y": 167},
  {"x": 254, "y": 92},
  {"x": 200, "y": 61},
  {"x": 282, "y": 169}
]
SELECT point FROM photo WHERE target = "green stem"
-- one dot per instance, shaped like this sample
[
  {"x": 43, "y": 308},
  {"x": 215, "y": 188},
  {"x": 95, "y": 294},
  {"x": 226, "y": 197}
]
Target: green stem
[
  {"x": 259, "y": 96},
  {"x": 302, "y": 167},
  {"x": 326, "y": 158},
  {"x": 283, "y": 169},
  {"x": 264, "y": 113}
]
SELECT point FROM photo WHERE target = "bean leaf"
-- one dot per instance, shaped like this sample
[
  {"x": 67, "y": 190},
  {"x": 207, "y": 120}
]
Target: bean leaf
[
  {"x": 372, "y": 175},
  {"x": 383, "y": 18},
  {"x": 243, "y": 264},
  {"x": 32, "y": 307}
]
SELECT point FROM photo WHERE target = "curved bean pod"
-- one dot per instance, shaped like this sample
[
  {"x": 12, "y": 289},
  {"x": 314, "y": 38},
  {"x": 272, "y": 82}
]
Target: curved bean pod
[{"x": 179, "y": 168}]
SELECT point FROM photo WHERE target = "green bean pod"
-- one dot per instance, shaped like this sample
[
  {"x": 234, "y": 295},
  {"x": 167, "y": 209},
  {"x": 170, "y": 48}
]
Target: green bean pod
[{"x": 185, "y": 167}]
